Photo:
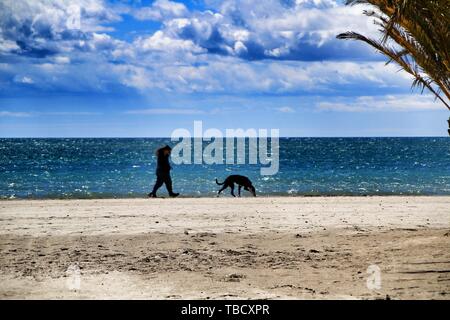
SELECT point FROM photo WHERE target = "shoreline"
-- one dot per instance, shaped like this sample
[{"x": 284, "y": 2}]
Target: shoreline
[
  {"x": 230, "y": 197},
  {"x": 226, "y": 248}
]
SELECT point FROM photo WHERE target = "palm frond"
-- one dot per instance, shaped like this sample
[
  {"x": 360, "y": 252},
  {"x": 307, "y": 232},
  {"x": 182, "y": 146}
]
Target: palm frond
[{"x": 421, "y": 31}]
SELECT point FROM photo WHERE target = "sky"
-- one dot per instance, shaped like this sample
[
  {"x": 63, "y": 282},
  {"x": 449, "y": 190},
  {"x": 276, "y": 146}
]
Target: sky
[{"x": 130, "y": 68}]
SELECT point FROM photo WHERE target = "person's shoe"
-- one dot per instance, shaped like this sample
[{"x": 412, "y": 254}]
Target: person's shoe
[
  {"x": 174, "y": 195},
  {"x": 151, "y": 195}
]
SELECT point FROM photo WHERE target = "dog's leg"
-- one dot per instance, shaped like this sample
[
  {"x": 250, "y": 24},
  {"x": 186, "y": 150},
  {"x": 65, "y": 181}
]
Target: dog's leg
[
  {"x": 223, "y": 188},
  {"x": 239, "y": 190},
  {"x": 232, "y": 190}
]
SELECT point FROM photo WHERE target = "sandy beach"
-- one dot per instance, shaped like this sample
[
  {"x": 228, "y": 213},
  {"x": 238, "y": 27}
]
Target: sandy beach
[{"x": 210, "y": 248}]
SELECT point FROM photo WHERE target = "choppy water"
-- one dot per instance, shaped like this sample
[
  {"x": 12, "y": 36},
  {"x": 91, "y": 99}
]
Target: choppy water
[{"x": 107, "y": 168}]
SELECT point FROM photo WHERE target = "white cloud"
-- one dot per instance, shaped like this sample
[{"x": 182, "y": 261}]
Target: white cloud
[
  {"x": 7, "y": 46},
  {"x": 236, "y": 47},
  {"x": 69, "y": 113},
  {"x": 168, "y": 111},
  {"x": 274, "y": 29},
  {"x": 383, "y": 103},
  {"x": 40, "y": 27},
  {"x": 14, "y": 114},
  {"x": 161, "y": 42},
  {"x": 181, "y": 69},
  {"x": 240, "y": 48},
  {"x": 24, "y": 79},
  {"x": 161, "y": 10},
  {"x": 286, "y": 110},
  {"x": 22, "y": 114},
  {"x": 62, "y": 60}
]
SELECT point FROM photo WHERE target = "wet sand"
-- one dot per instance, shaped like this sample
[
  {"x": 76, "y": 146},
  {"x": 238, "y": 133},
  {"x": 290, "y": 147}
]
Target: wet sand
[{"x": 209, "y": 248}]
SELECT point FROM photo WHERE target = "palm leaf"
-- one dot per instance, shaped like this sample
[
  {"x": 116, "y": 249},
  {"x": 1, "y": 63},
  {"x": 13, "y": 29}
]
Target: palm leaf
[{"x": 421, "y": 29}]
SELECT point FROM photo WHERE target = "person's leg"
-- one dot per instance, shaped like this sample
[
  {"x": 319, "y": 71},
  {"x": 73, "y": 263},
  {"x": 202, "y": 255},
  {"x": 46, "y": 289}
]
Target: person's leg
[
  {"x": 159, "y": 182},
  {"x": 168, "y": 182}
]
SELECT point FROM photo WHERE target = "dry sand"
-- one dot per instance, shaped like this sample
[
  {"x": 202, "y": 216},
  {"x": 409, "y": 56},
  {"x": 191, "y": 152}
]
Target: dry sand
[{"x": 207, "y": 248}]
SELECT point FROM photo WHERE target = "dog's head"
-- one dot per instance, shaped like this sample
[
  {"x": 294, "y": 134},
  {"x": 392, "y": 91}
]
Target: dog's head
[{"x": 252, "y": 190}]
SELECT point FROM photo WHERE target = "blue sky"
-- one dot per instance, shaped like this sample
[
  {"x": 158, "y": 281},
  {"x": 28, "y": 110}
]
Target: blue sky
[{"x": 123, "y": 68}]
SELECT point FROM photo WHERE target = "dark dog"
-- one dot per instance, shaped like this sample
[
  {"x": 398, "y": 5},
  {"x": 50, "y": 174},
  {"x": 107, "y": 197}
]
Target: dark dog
[{"x": 241, "y": 181}]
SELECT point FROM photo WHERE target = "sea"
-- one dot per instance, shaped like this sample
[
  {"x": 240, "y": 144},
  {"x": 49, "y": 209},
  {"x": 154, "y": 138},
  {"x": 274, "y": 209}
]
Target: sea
[{"x": 79, "y": 168}]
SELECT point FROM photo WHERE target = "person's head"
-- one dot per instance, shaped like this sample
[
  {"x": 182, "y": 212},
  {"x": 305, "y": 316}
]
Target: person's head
[{"x": 165, "y": 150}]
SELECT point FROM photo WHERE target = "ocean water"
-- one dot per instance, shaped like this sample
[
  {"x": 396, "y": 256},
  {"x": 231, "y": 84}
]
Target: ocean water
[{"x": 117, "y": 168}]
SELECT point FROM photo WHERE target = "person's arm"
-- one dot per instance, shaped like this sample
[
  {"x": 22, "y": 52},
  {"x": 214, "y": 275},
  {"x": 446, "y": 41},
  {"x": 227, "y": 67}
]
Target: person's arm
[{"x": 168, "y": 162}]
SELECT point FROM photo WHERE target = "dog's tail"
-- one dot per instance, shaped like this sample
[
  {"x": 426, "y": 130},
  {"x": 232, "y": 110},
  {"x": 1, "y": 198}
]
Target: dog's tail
[{"x": 219, "y": 183}]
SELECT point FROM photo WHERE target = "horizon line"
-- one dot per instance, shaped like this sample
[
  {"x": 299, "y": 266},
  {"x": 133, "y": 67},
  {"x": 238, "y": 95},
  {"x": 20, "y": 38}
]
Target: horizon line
[{"x": 162, "y": 137}]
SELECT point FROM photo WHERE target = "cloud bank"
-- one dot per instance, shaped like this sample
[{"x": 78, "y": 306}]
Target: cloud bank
[{"x": 224, "y": 47}]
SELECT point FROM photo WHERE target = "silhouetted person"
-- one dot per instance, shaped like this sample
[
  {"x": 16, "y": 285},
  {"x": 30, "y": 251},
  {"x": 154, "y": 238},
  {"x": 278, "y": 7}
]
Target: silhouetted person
[{"x": 163, "y": 172}]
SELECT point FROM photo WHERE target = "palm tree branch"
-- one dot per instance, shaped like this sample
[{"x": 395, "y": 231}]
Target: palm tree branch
[{"x": 398, "y": 57}]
